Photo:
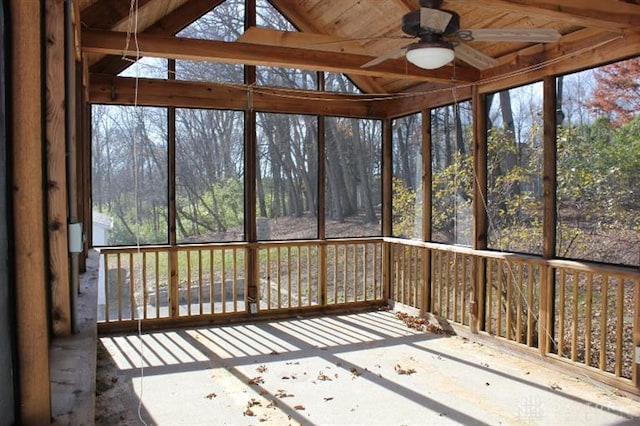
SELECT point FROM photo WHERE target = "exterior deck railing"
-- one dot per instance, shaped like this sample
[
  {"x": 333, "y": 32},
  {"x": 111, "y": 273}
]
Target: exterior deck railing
[
  {"x": 164, "y": 282},
  {"x": 582, "y": 314}
]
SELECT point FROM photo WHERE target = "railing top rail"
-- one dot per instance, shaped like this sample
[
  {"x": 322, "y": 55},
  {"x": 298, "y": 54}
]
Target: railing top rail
[{"x": 626, "y": 271}]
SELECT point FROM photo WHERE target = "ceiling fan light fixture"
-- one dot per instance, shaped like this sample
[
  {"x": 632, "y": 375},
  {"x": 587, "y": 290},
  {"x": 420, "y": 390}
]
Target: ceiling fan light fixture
[{"x": 430, "y": 55}]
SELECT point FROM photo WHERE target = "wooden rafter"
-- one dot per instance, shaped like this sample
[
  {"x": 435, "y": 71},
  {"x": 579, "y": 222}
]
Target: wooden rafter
[
  {"x": 105, "y": 15},
  {"x": 289, "y": 10},
  {"x": 580, "y": 49},
  {"x": 171, "y": 24},
  {"x": 109, "y": 42},
  {"x": 604, "y": 14}
]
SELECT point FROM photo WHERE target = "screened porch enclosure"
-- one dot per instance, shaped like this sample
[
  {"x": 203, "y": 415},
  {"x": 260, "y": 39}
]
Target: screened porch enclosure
[{"x": 475, "y": 212}]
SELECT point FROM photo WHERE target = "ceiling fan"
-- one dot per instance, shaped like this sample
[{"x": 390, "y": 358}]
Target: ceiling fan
[{"x": 441, "y": 39}]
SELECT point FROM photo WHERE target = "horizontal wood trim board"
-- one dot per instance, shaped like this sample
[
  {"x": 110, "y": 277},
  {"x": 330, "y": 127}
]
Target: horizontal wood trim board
[
  {"x": 105, "y": 328},
  {"x": 190, "y": 94}
]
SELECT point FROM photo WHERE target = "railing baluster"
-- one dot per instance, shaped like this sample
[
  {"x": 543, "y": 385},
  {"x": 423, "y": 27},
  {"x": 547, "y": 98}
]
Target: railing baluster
[
  {"x": 520, "y": 299},
  {"x": 619, "y": 325},
  {"x": 144, "y": 285},
  {"x": 288, "y": 276},
  {"x": 530, "y": 274},
  {"x": 499, "y": 273},
  {"x": 106, "y": 287},
  {"x": 189, "y": 280},
  {"x": 574, "y": 318},
  {"x": 223, "y": 279},
  {"x": 200, "y": 289},
  {"x": 604, "y": 295},
  {"x": 508, "y": 309},
  {"x": 489, "y": 299},
  {"x": 456, "y": 276},
  {"x": 588, "y": 319},
  {"x": 119, "y": 270},
  {"x": 561, "y": 308}
]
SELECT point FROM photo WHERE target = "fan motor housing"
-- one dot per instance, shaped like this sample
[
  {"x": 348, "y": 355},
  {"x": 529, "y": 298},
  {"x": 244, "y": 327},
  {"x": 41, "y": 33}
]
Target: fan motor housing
[{"x": 411, "y": 24}]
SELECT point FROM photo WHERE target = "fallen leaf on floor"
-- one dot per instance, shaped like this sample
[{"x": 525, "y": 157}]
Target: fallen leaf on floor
[
  {"x": 211, "y": 395},
  {"x": 283, "y": 394},
  {"x": 298, "y": 407},
  {"x": 323, "y": 377},
  {"x": 261, "y": 369},
  {"x": 248, "y": 412},
  {"x": 355, "y": 372},
  {"x": 256, "y": 380},
  {"x": 253, "y": 402},
  {"x": 401, "y": 370}
]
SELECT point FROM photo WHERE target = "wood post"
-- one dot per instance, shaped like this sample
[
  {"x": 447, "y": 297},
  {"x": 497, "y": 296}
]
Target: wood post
[
  {"x": 387, "y": 195},
  {"x": 427, "y": 210},
  {"x": 59, "y": 278},
  {"x": 479, "y": 279},
  {"x": 29, "y": 244},
  {"x": 250, "y": 175},
  {"x": 322, "y": 228},
  {"x": 547, "y": 274}
]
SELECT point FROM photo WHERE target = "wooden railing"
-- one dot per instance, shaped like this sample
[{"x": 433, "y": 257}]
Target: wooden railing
[
  {"x": 584, "y": 314},
  {"x": 163, "y": 282}
]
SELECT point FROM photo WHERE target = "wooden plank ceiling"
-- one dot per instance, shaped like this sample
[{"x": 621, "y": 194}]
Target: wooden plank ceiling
[{"x": 342, "y": 35}]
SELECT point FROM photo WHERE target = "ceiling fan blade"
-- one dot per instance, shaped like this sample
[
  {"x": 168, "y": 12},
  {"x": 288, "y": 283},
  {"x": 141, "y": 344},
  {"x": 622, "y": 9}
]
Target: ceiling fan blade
[
  {"x": 434, "y": 19},
  {"x": 474, "y": 57},
  {"x": 527, "y": 35},
  {"x": 391, "y": 54}
]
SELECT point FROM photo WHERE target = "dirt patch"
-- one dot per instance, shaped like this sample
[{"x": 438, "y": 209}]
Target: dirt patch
[{"x": 116, "y": 401}]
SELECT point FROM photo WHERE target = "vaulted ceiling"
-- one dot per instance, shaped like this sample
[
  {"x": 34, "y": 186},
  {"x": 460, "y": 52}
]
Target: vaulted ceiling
[{"x": 342, "y": 35}]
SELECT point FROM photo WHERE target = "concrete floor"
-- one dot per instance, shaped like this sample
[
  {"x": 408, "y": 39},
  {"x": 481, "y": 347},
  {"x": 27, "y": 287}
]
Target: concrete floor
[{"x": 364, "y": 368}]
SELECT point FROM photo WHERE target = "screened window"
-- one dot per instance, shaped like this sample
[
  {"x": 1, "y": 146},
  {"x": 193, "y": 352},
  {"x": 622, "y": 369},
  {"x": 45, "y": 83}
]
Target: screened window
[
  {"x": 452, "y": 174},
  {"x": 129, "y": 174},
  {"x": 353, "y": 177},
  {"x": 514, "y": 169},
  {"x": 407, "y": 177},
  {"x": 287, "y": 185},
  {"x": 598, "y": 163},
  {"x": 209, "y": 175}
]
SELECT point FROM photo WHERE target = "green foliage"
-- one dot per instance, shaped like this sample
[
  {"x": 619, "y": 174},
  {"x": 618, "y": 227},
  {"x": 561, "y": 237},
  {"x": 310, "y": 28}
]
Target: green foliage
[
  {"x": 597, "y": 185},
  {"x": 514, "y": 203},
  {"x": 452, "y": 192},
  {"x": 404, "y": 210}
]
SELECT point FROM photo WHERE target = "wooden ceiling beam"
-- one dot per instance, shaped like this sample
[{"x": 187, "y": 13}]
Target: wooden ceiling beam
[
  {"x": 112, "y": 43},
  {"x": 408, "y": 104},
  {"x": 105, "y": 15},
  {"x": 107, "y": 89},
  {"x": 604, "y": 14},
  {"x": 171, "y": 24},
  {"x": 292, "y": 12},
  {"x": 581, "y": 49}
]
